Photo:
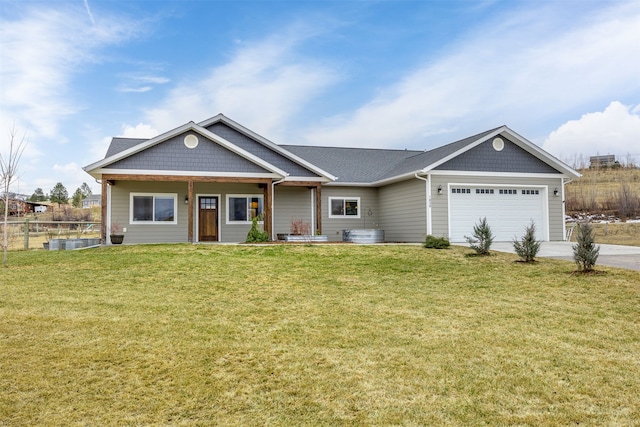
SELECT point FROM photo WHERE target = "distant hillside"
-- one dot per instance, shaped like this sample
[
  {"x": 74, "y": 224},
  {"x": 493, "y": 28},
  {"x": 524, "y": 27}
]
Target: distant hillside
[{"x": 607, "y": 191}]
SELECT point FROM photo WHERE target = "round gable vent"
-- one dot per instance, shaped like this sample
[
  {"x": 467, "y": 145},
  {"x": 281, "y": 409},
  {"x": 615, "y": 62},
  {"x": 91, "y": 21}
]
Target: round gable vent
[
  {"x": 498, "y": 144},
  {"x": 191, "y": 141}
]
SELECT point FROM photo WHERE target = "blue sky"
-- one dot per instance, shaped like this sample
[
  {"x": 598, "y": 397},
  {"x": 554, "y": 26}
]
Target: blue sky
[{"x": 387, "y": 74}]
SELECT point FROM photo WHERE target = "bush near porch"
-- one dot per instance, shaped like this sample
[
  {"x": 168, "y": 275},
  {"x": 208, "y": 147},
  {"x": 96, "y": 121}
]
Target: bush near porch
[{"x": 314, "y": 335}]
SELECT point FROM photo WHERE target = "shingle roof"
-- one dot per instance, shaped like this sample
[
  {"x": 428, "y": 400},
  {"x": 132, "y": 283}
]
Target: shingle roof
[
  {"x": 368, "y": 165},
  {"x": 119, "y": 144},
  {"x": 352, "y": 164}
]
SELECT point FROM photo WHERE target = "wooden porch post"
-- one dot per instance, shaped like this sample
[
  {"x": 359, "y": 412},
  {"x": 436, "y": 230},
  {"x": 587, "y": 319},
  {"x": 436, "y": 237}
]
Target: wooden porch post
[
  {"x": 268, "y": 208},
  {"x": 190, "y": 211},
  {"x": 319, "y": 209},
  {"x": 103, "y": 212}
]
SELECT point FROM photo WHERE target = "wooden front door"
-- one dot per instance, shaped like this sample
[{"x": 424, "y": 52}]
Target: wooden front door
[{"x": 207, "y": 219}]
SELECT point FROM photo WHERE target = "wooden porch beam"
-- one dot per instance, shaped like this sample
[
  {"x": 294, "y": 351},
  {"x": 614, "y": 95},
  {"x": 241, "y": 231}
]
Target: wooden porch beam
[
  {"x": 103, "y": 212},
  {"x": 268, "y": 208},
  {"x": 312, "y": 184},
  {"x": 180, "y": 178}
]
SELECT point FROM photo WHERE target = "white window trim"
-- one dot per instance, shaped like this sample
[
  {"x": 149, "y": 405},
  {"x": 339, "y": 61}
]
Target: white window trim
[
  {"x": 228, "y": 196},
  {"x": 357, "y": 199},
  {"x": 154, "y": 195}
]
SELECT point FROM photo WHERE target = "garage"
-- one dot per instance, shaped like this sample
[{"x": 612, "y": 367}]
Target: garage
[{"x": 508, "y": 209}]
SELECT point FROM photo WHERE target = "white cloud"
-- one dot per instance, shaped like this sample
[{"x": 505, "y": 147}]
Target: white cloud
[
  {"x": 616, "y": 130},
  {"x": 70, "y": 174},
  {"x": 41, "y": 51},
  {"x": 514, "y": 70},
  {"x": 136, "y": 89},
  {"x": 264, "y": 85},
  {"x": 141, "y": 130}
]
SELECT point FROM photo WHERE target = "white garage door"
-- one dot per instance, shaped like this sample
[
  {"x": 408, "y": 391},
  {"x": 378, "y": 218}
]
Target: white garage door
[{"x": 508, "y": 211}]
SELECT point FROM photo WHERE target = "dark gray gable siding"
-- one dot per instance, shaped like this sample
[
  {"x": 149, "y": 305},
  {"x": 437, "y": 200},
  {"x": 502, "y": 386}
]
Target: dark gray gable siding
[
  {"x": 352, "y": 164},
  {"x": 259, "y": 150},
  {"x": 173, "y": 155},
  {"x": 484, "y": 158}
]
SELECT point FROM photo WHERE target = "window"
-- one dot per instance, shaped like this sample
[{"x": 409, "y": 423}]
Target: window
[
  {"x": 531, "y": 192},
  {"x": 153, "y": 208},
  {"x": 344, "y": 207},
  {"x": 460, "y": 191},
  {"x": 484, "y": 190},
  {"x": 243, "y": 208},
  {"x": 508, "y": 191}
]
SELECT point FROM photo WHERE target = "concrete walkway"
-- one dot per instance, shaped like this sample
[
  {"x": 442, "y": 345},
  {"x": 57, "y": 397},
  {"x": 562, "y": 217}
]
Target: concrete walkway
[{"x": 611, "y": 255}]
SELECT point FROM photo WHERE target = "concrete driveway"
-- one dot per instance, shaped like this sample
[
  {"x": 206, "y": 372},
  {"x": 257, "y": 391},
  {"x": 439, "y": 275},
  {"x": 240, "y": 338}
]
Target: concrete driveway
[{"x": 611, "y": 255}]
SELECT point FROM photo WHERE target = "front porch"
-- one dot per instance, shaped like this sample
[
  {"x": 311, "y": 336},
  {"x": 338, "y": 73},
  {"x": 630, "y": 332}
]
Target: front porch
[{"x": 192, "y": 196}]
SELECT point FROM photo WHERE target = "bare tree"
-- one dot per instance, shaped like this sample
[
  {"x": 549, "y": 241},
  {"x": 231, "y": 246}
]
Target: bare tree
[{"x": 8, "y": 173}]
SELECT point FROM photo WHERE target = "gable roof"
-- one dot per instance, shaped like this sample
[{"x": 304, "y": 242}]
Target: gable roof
[
  {"x": 381, "y": 166},
  {"x": 122, "y": 148},
  {"x": 344, "y": 166}
]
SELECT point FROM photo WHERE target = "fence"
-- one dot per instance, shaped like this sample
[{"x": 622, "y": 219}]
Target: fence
[{"x": 32, "y": 234}]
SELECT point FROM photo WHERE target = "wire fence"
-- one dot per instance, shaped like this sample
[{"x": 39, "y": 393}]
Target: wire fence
[{"x": 27, "y": 234}]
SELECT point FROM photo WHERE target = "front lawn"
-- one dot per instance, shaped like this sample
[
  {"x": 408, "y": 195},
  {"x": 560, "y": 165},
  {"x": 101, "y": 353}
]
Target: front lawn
[{"x": 314, "y": 335}]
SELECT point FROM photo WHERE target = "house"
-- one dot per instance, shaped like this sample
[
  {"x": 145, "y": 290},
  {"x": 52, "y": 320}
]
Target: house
[
  {"x": 603, "y": 161},
  {"x": 206, "y": 181},
  {"x": 91, "y": 201}
]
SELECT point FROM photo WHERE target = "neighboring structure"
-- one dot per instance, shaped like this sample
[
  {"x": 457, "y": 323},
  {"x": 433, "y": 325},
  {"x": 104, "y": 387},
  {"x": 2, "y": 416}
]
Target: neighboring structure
[
  {"x": 91, "y": 201},
  {"x": 206, "y": 181},
  {"x": 602, "y": 161}
]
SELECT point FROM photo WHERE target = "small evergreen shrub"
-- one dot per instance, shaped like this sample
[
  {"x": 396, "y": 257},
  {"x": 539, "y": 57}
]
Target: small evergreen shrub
[
  {"x": 482, "y": 237},
  {"x": 255, "y": 235},
  {"x": 585, "y": 251},
  {"x": 433, "y": 242},
  {"x": 527, "y": 248}
]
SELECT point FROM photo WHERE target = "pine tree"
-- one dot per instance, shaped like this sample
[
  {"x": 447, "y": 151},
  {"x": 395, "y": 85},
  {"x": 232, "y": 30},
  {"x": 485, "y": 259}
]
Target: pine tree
[
  {"x": 482, "y": 237},
  {"x": 59, "y": 194},
  {"x": 527, "y": 248},
  {"x": 585, "y": 251}
]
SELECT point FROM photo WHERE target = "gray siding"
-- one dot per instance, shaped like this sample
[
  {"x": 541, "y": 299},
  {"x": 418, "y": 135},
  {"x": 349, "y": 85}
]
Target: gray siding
[
  {"x": 259, "y": 150},
  {"x": 291, "y": 202},
  {"x": 172, "y": 154},
  {"x": 149, "y": 233},
  {"x": 439, "y": 207},
  {"x": 485, "y": 159},
  {"x": 175, "y": 233},
  {"x": 333, "y": 227},
  {"x": 403, "y": 211}
]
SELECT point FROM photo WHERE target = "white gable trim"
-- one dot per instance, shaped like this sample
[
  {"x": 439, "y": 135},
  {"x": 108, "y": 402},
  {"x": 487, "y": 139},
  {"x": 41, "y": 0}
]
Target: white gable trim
[
  {"x": 264, "y": 141},
  {"x": 520, "y": 141},
  {"x": 191, "y": 126}
]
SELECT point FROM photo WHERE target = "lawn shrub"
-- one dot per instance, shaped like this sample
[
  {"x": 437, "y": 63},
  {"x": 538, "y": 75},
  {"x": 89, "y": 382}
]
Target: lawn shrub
[
  {"x": 527, "y": 247},
  {"x": 255, "y": 235},
  {"x": 482, "y": 237},
  {"x": 585, "y": 251},
  {"x": 433, "y": 242}
]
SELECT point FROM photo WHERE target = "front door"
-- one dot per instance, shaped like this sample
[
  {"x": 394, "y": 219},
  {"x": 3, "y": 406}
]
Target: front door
[{"x": 207, "y": 219}]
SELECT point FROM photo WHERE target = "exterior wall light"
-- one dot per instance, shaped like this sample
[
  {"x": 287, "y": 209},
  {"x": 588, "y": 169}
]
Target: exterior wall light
[
  {"x": 186, "y": 199},
  {"x": 439, "y": 189},
  {"x": 555, "y": 192}
]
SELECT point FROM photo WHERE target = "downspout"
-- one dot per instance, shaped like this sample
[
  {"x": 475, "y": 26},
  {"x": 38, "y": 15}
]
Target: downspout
[
  {"x": 273, "y": 203},
  {"x": 564, "y": 209},
  {"x": 428, "y": 197}
]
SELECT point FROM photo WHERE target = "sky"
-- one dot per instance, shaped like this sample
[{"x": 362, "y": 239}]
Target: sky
[{"x": 376, "y": 74}]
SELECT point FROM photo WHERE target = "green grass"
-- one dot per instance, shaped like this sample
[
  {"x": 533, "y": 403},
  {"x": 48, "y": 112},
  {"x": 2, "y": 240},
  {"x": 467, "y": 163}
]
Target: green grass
[{"x": 314, "y": 335}]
